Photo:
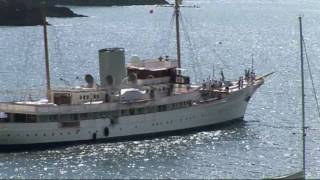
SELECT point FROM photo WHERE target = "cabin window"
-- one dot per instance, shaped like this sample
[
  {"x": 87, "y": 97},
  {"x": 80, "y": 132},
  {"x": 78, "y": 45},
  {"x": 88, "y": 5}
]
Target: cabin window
[
  {"x": 94, "y": 115},
  {"x": 75, "y": 117},
  {"x": 164, "y": 107},
  {"x": 131, "y": 111},
  {"x": 124, "y": 112},
  {"x": 53, "y": 117},
  {"x": 24, "y": 118},
  {"x": 66, "y": 117},
  {"x": 113, "y": 113},
  {"x": 103, "y": 115},
  {"x": 150, "y": 109},
  {"x": 84, "y": 116},
  {"x": 43, "y": 118},
  {"x": 140, "y": 111}
]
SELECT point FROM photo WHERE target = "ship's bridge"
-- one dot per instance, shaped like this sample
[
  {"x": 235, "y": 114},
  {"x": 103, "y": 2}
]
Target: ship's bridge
[{"x": 161, "y": 71}]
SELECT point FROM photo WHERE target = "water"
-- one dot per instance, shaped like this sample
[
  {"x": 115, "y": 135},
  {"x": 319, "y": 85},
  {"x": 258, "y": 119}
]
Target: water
[{"x": 266, "y": 144}]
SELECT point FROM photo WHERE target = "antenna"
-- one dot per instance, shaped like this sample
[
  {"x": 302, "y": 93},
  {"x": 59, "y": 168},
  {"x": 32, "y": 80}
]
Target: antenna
[
  {"x": 213, "y": 71},
  {"x": 252, "y": 62},
  {"x": 45, "y": 34}
]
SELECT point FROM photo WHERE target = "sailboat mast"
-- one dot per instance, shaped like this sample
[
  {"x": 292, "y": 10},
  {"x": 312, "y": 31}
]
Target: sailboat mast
[
  {"x": 46, "y": 53},
  {"x": 303, "y": 100},
  {"x": 177, "y": 13}
]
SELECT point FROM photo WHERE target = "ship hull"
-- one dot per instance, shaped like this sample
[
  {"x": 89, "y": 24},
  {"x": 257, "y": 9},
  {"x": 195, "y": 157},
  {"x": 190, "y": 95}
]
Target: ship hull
[
  {"x": 195, "y": 118},
  {"x": 44, "y": 146}
]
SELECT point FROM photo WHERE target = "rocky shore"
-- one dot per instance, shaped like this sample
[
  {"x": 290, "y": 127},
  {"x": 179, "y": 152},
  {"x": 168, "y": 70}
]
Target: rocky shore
[
  {"x": 109, "y": 2},
  {"x": 29, "y": 13}
]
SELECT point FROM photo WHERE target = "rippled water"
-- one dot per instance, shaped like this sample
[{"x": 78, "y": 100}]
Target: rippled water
[{"x": 266, "y": 144}]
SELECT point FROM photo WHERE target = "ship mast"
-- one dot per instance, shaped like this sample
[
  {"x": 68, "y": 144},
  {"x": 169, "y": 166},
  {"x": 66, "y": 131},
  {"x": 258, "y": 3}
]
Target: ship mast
[
  {"x": 177, "y": 14},
  {"x": 46, "y": 52},
  {"x": 303, "y": 101}
]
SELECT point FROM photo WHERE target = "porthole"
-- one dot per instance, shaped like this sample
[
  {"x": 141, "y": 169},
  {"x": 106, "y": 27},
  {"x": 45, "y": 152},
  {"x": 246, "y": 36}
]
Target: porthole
[
  {"x": 27, "y": 135},
  {"x": 52, "y": 134},
  {"x": 36, "y": 135},
  {"x": 69, "y": 133},
  {"x": 61, "y": 134},
  {"x": 8, "y": 135},
  {"x": 44, "y": 135}
]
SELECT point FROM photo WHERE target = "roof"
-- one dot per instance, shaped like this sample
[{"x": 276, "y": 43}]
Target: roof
[{"x": 154, "y": 65}]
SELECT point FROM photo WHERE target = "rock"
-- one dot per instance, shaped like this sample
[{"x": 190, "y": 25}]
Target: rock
[
  {"x": 109, "y": 2},
  {"x": 29, "y": 13},
  {"x": 61, "y": 12},
  {"x": 18, "y": 14}
]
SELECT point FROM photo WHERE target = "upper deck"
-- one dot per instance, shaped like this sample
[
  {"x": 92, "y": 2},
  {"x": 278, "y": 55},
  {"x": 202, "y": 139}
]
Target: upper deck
[{"x": 43, "y": 108}]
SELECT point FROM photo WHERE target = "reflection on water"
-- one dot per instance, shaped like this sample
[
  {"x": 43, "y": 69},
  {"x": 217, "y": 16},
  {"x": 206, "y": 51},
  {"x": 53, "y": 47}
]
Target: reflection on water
[{"x": 159, "y": 157}]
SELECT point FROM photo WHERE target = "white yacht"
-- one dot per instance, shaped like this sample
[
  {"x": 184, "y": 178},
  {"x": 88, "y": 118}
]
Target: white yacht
[{"x": 143, "y": 98}]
